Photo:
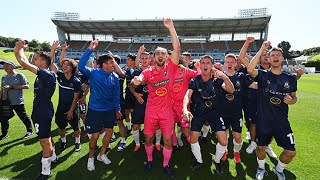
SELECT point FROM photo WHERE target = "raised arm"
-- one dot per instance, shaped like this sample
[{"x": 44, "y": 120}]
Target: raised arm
[
  {"x": 85, "y": 57},
  {"x": 118, "y": 70},
  {"x": 243, "y": 52},
  {"x": 137, "y": 60},
  {"x": 175, "y": 41},
  {"x": 21, "y": 57},
  {"x": 253, "y": 72},
  {"x": 64, "y": 47},
  {"x": 54, "y": 47}
]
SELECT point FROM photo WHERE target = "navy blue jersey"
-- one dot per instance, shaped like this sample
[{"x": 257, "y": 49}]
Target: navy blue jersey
[
  {"x": 253, "y": 97},
  {"x": 84, "y": 80},
  {"x": 67, "y": 88},
  {"x": 129, "y": 76},
  {"x": 142, "y": 89},
  {"x": 271, "y": 91},
  {"x": 232, "y": 103},
  {"x": 44, "y": 87},
  {"x": 205, "y": 95}
]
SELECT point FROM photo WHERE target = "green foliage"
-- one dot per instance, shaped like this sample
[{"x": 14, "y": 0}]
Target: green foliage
[
  {"x": 7, "y": 42},
  {"x": 311, "y": 51},
  {"x": 34, "y": 45},
  {"x": 285, "y": 46},
  {"x": 315, "y": 58},
  {"x": 314, "y": 62}
]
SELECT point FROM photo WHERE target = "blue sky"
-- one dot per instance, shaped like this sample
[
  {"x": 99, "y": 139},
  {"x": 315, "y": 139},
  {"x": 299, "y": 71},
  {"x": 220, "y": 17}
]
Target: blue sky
[{"x": 294, "y": 21}]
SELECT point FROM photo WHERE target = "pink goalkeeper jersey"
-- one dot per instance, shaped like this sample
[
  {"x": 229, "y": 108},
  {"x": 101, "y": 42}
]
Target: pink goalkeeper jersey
[
  {"x": 181, "y": 82},
  {"x": 160, "y": 87}
]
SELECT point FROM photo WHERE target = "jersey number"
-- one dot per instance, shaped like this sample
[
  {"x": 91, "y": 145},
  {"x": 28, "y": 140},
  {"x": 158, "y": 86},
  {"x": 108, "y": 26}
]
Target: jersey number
[{"x": 36, "y": 125}]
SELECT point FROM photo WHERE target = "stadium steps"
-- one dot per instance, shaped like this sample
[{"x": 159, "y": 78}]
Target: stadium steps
[
  {"x": 202, "y": 47},
  {"x": 130, "y": 46},
  {"x": 109, "y": 44},
  {"x": 85, "y": 45},
  {"x": 227, "y": 47}
]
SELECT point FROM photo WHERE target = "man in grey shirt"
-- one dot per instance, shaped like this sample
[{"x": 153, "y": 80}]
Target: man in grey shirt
[{"x": 12, "y": 85}]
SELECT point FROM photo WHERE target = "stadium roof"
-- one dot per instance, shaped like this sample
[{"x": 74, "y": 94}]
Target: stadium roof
[{"x": 155, "y": 27}]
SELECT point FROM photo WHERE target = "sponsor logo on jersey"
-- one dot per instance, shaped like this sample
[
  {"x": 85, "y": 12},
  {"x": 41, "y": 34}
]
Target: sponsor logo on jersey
[
  {"x": 161, "y": 83},
  {"x": 176, "y": 87},
  {"x": 275, "y": 100},
  {"x": 230, "y": 97},
  {"x": 161, "y": 91},
  {"x": 208, "y": 104},
  {"x": 178, "y": 80}
]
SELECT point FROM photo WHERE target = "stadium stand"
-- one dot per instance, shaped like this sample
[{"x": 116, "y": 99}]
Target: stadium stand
[{"x": 215, "y": 37}]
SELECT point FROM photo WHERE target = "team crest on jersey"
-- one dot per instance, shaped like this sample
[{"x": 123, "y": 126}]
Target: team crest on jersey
[
  {"x": 176, "y": 87},
  {"x": 165, "y": 73},
  {"x": 238, "y": 83},
  {"x": 230, "y": 97},
  {"x": 161, "y": 91},
  {"x": 286, "y": 85},
  {"x": 275, "y": 100},
  {"x": 268, "y": 82},
  {"x": 71, "y": 85}
]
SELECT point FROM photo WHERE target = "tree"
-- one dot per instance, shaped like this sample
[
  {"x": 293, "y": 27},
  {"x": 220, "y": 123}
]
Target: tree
[
  {"x": 285, "y": 46},
  {"x": 45, "y": 46}
]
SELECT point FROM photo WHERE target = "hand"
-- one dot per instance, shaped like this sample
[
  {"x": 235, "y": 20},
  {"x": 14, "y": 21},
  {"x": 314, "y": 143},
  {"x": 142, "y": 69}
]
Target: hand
[
  {"x": 94, "y": 44},
  {"x": 288, "y": 100},
  {"x": 186, "y": 115},
  {"x": 6, "y": 87},
  {"x": 20, "y": 44},
  {"x": 250, "y": 40},
  {"x": 69, "y": 115},
  {"x": 197, "y": 65},
  {"x": 82, "y": 100},
  {"x": 265, "y": 45},
  {"x": 168, "y": 23},
  {"x": 139, "y": 97},
  {"x": 220, "y": 75},
  {"x": 118, "y": 114},
  {"x": 141, "y": 49},
  {"x": 298, "y": 71},
  {"x": 218, "y": 66},
  {"x": 64, "y": 47},
  {"x": 55, "y": 45},
  {"x": 137, "y": 80}
]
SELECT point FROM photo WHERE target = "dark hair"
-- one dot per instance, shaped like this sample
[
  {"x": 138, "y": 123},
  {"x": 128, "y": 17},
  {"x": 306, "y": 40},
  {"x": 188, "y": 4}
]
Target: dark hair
[
  {"x": 206, "y": 56},
  {"x": 45, "y": 57},
  {"x": 132, "y": 56},
  {"x": 73, "y": 64},
  {"x": 186, "y": 54},
  {"x": 275, "y": 49},
  {"x": 104, "y": 58},
  {"x": 117, "y": 59}
]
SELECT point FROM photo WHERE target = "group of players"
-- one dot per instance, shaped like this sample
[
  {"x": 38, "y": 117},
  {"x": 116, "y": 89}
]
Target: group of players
[{"x": 161, "y": 93}]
